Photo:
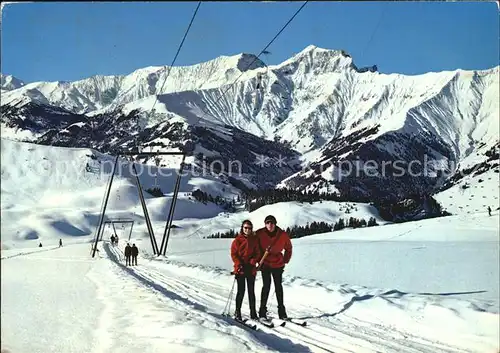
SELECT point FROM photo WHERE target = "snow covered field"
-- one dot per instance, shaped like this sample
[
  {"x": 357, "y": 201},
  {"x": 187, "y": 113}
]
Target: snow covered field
[
  {"x": 427, "y": 286},
  {"x": 455, "y": 254},
  {"x": 449, "y": 303}
]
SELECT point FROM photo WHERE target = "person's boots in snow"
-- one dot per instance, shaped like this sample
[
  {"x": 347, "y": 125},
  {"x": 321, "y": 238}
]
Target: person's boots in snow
[
  {"x": 253, "y": 314},
  {"x": 282, "y": 313},
  {"x": 263, "y": 313},
  {"x": 237, "y": 314}
]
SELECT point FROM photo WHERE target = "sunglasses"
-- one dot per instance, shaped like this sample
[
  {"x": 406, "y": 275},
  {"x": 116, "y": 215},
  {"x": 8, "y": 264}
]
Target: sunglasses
[
  {"x": 270, "y": 222},
  {"x": 247, "y": 227}
]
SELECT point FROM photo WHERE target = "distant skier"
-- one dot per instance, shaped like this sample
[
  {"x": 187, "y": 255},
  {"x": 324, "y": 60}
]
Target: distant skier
[
  {"x": 489, "y": 210},
  {"x": 116, "y": 240},
  {"x": 40, "y": 245},
  {"x": 128, "y": 252},
  {"x": 245, "y": 253},
  {"x": 134, "y": 253},
  {"x": 274, "y": 240},
  {"x": 113, "y": 240},
  {"x": 60, "y": 242}
]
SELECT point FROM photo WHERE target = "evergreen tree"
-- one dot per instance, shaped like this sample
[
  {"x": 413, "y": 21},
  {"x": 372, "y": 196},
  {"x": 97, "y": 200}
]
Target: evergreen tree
[{"x": 309, "y": 229}]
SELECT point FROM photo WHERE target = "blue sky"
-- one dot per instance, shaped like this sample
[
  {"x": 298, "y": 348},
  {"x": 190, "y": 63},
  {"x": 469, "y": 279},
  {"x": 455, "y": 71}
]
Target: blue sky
[{"x": 69, "y": 41}]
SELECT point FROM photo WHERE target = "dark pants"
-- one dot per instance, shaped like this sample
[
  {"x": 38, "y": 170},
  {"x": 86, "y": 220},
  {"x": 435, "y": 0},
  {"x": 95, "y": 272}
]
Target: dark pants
[
  {"x": 240, "y": 294},
  {"x": 127, "y": 260},
  {"x": 134, "y": 259},
  {"x": 277, "y": 275}
]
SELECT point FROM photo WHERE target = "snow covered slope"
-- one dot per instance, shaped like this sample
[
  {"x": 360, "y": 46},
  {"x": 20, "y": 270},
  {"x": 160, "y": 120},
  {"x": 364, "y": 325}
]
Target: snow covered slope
[
  {"x": 232, "y": 153},
  {"x": 47, "y": 193},
  {"x": 432, "y": 287},
  {"x": 455, "y": 254},
  {"x": 475, "y": 186},
  {"x": 426, "y": 125},
  {"x": 318, "y": 102},
  {"x": 288, "y": 214}
]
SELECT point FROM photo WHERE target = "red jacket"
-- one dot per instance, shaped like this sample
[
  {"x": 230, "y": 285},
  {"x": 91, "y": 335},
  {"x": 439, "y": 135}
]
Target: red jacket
[
  {"x": 245, "y": 251},
  {"x": 275, "y": 258}
]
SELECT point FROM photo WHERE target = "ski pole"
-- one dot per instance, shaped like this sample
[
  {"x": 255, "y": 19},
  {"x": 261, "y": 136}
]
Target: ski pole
[
  {"x": 229, "y": 299},
  {"x": 267, "y": 250},
  {"x": 263, "y": 258}
]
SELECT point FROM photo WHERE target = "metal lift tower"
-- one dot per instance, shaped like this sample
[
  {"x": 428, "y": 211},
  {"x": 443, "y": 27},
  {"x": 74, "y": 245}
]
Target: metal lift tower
[{"x": 166, "y": 233}]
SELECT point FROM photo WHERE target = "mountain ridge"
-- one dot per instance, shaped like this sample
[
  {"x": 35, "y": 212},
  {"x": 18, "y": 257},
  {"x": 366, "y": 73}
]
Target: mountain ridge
[
  {"x": 243, "y": 55},
  {"x": 318, "y": 103}
]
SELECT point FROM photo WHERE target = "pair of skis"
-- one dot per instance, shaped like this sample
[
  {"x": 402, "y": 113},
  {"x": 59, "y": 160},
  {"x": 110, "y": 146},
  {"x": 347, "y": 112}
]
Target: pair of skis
[
  {"x": 270, "y": 323},
  {"x": 283, "y": 322}
]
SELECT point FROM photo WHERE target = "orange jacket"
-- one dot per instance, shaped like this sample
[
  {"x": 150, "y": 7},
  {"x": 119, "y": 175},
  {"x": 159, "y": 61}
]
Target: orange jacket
[
  {"x": 245, "y": 251},
  {"x": 275, "y": 258}
]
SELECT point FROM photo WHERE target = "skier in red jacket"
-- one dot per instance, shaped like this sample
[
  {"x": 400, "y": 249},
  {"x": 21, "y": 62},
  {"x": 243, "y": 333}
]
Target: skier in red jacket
[
  {"x": 273, "y": 241},
  {"x": 245, "y": 254}
]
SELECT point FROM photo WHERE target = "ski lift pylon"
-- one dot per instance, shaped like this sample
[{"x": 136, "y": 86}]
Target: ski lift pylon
[
  {"x": 157, "y": 162},
  {"x": 157, "y": 158}
]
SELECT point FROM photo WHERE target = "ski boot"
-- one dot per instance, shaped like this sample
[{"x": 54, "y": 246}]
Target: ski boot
[
  {"x": 237, "y": 314},
  {"x": 253, "y": 314},
  {"x": 263, "y": 313},
  {"x": 263, "y": 319},
  {"x": 282, "y": 313}
]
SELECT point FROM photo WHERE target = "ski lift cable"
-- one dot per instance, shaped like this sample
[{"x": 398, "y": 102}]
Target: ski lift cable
[
  {"x": 261, "y": 52},
  {"x": 373, "y": 32},
  {"x": 267, "y": 46},
  {"x": 176, "y": 54}
]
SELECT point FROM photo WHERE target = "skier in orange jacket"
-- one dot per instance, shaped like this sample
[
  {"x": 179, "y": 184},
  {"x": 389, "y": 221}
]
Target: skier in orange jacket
[
  {"x": 245, "y": 254},
  {"x": 273, "y": 241}
]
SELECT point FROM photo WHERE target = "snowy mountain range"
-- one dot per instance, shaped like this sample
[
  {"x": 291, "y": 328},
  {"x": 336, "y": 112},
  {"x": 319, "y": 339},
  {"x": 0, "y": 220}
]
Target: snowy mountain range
[
  {"x": 9, "y": 82},
  {"x": 316, "y": 116}
]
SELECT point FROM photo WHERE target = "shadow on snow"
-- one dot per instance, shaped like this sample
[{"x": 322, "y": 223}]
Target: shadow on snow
[
  {"x": 397, "y": 293},
  {"x": 269, "y": 339}
]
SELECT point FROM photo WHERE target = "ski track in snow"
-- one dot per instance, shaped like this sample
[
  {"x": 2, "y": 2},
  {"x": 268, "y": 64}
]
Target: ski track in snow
[
  {"x": 217, "y": 325},
  {"x": 332, "y": 334},
  {"x": 193, "y": 295}
]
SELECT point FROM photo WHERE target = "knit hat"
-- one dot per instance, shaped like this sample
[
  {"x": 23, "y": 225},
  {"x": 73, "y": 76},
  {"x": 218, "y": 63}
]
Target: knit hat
[{"x": 271, "y": 219}]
